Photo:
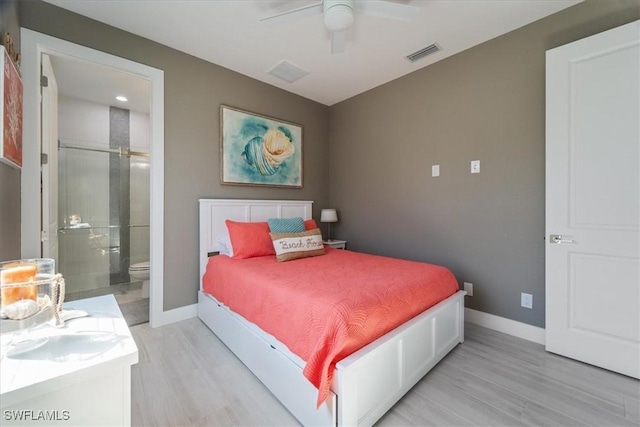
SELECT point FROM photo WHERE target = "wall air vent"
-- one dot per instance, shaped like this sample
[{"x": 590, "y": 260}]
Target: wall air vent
[
  {"x": 424, "y": 52},
  {"x": 287, "y": 72}
]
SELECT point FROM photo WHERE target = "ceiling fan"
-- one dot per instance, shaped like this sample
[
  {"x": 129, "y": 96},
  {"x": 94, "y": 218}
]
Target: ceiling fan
[{"x": 339, "y": 15}]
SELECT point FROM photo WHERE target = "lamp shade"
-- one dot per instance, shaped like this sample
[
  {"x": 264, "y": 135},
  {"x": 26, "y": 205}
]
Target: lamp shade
[{"x": 328, "y": 215}]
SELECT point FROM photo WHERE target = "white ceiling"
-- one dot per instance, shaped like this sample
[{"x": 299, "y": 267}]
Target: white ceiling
[
  {"x": 229, "y": 33},
  {"x": 91, "y": 82}
]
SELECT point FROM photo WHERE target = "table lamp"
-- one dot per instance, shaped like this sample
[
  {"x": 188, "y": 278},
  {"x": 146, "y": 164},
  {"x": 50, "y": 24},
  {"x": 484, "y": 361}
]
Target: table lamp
[{"x": 328, "y": 216}]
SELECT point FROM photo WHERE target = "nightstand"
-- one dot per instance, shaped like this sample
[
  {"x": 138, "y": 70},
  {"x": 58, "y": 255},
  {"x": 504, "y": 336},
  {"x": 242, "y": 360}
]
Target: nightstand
[{"x": 336, "y": 244}]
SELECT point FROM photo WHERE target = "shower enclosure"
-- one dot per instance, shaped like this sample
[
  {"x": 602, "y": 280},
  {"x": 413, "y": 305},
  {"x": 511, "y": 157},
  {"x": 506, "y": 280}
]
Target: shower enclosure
[{"x": 103, "y": 204}]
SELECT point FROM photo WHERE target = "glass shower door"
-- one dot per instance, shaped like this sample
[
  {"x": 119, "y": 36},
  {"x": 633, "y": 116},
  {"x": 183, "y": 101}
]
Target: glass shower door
[{"x": 93, "y": 199}]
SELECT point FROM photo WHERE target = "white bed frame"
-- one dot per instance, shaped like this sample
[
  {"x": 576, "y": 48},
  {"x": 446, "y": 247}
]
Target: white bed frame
[{"x": 367, "y": 383}]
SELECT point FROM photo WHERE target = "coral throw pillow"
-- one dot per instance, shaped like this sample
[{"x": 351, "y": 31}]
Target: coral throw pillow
[{"x": 250, "y": 239}]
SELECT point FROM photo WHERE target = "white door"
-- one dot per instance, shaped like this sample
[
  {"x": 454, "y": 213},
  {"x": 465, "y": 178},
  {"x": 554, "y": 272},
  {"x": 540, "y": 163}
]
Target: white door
[
  {"x": 592, "y": 200},
  {"x": 49, "y": 116}
]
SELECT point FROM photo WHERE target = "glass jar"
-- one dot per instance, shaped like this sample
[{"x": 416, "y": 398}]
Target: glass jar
[{"x": 31, "y": 294}]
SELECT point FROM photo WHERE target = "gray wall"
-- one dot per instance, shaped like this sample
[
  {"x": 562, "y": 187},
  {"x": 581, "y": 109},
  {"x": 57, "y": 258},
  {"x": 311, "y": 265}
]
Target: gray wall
[
  {"x": 9, "y": 176},
  {"x": 486, "y": 103},
  {"x": 194, "y": 90}
]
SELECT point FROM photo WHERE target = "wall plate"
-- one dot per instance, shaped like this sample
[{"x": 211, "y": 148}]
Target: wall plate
[{"x": 475, "y": 166}]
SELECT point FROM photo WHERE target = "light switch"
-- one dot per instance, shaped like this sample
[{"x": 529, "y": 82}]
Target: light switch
[
  {"x": 475, "y": 166},
  {"x": 435, "y": 170}
]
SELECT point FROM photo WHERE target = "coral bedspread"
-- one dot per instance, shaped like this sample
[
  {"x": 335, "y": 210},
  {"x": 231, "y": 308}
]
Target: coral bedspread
[{"x": 326, "y": 307}]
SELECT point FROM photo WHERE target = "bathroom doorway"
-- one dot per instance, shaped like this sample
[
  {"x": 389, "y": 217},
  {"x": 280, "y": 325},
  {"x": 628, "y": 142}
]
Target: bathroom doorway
[
  {"x": 42, "y": 218},
  {"x": 96, "y": 128}
]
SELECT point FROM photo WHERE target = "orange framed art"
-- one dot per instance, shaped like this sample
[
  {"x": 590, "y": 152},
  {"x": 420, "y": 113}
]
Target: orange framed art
[{"x": 11, "y": 111}]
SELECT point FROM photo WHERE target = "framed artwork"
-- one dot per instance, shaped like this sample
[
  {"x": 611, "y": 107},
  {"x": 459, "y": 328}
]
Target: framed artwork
[
  {"x": 11, "y": 112},
  {"x": 259, "y": 150}
]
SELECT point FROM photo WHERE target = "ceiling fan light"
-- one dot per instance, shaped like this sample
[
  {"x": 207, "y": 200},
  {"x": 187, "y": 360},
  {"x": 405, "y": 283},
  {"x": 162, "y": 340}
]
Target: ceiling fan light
[{"x": 338, "y": 16}]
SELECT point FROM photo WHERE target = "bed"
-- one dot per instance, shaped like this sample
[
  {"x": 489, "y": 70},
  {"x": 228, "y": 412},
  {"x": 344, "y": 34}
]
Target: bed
[{"x": 366, "y": 383}]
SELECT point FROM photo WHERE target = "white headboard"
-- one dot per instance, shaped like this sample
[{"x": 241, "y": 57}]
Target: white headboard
[{"x": 213, "y": 213}]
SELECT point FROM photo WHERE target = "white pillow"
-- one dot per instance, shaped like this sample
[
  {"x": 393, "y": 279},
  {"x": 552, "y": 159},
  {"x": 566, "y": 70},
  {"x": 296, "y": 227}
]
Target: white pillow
[{"x": 224, "y": 245}]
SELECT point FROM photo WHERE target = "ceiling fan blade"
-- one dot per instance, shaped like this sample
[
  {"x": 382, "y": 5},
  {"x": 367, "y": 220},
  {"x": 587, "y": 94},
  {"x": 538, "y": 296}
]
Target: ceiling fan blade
[
  {"x": 338, "y": 41},
  {"x": 387, "y": 9},
  {"x": 281, "y": 18}
]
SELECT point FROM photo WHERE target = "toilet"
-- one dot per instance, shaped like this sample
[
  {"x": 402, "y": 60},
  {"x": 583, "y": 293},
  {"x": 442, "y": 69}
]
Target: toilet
[{"x": 140, "y": 271}]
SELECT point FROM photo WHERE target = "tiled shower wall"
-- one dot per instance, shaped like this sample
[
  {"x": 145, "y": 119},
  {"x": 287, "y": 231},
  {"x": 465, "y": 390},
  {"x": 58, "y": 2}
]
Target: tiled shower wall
[
  {"x": 119, "y": 195},
  {"x": 91, "y": 186}
]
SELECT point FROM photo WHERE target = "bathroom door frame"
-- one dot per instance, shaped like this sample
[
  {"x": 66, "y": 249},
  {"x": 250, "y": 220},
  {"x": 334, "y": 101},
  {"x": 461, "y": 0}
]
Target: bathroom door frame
[{"x": 33, "y": 46}]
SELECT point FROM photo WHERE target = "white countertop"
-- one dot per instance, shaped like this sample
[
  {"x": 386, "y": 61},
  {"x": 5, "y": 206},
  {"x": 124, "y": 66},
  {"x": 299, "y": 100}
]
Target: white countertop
[{"x": 99, "y": 341}]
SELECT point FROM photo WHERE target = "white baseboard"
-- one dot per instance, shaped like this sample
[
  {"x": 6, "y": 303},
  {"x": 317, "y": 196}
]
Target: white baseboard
[
  {"x": 480, "y": 318},
  {"x": 176, "y": 315},
  {"x": 504, "y": 325}
]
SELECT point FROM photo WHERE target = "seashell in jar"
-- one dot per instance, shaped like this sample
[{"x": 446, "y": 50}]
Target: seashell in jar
[
  {"x": 21, "y": 309},
  {"x": 43, "y": 302}
]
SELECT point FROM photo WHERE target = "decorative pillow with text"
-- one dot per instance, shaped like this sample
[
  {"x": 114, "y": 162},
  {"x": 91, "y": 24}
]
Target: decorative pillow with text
[{"x": 290, "y": 246}]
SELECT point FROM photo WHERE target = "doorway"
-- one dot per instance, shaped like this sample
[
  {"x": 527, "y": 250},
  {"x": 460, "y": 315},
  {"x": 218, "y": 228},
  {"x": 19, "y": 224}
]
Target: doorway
[
  {"x": 112, "y": 156},
  {"x": 95, "y": 182}
]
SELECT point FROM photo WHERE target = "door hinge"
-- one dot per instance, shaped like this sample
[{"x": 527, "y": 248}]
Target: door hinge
[
  {"x": 44, "y": 236},
  {"x": 44, "y": 159},
  {"x": 44, "y": 81}
]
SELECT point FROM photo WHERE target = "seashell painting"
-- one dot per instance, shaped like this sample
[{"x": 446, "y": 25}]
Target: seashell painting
[{"x": 259, "y": 150}]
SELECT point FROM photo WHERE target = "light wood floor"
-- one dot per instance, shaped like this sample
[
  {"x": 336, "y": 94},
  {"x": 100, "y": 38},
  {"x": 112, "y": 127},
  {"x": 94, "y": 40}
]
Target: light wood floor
[
  {"x": 187, "y": 377},
  {"x": 134, "y": 307}
]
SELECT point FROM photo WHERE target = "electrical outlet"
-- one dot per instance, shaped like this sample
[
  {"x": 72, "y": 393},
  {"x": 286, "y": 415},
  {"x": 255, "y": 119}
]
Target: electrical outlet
[
  {"x": 468, "y": 288},
  {"x": 526, "y": 300},
  {"x": 475, "y": 166},
  {"x": 435, "y": 170}
]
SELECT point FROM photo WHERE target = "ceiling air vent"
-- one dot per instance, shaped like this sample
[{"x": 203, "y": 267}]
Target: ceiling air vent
[
  {"x": 287, "y": 72},
  {"x": 424, "y": 52}
]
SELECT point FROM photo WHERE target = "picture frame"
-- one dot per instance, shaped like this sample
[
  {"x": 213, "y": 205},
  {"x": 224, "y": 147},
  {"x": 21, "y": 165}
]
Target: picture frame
[
  {"x": 11, "y": 97},
  {"x": 259, "y": 150}
]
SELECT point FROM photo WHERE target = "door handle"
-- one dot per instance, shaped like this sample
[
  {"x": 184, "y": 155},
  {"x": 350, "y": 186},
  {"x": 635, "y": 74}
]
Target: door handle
[{"x": 559, "y": 239}]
